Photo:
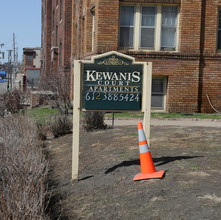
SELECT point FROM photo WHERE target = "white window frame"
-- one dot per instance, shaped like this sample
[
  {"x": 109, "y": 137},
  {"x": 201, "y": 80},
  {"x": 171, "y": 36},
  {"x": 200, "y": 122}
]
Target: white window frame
[{"x": 158, "y": 26}]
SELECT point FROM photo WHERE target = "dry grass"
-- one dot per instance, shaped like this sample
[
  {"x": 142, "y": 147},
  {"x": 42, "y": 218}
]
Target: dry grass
[
  {"x": 213, "y": 198},
  {"x": 198, "y": 174},
  {"x": 23, "y": 170},
  {"x": 157, "y": 198}
]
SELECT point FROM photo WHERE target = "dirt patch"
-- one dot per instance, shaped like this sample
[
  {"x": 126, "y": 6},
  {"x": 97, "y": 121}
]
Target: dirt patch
[{"x": 109, "y": 159}]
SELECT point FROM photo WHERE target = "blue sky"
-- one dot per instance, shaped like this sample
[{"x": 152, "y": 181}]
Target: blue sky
[{"x": 23, "y": 17}]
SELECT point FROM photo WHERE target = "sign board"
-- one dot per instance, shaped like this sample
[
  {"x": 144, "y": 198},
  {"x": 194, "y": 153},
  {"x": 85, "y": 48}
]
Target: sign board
[{"x": 110, "y": 82}]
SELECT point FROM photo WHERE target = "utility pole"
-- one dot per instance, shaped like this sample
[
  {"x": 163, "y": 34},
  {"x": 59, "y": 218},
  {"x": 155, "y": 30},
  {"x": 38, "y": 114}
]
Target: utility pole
[
  {"x": 16, "y": 55},
  {"x": 1, "y": 53},
  {"x": 9, "y": 69},
  {"x": 14, "y": 60}
]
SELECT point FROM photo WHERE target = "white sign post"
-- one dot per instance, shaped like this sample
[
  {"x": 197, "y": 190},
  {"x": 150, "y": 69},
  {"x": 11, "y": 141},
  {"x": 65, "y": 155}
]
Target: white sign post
[
  {"x": 110, "y": 60},
  {"x": 76, "y": 119}
]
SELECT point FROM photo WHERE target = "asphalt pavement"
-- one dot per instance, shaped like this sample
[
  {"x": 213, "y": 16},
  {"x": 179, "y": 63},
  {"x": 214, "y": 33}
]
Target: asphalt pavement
[{"x": 3, "y": 87}]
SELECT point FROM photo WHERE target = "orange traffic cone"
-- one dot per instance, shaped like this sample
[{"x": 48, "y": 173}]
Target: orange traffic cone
[{"x": 146, "y": 163}]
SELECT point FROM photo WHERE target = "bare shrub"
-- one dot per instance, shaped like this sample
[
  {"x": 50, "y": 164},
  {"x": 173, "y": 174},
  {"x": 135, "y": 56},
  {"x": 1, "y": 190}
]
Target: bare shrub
[
  {"x": 57, "y": 90},
  {"x": 42, "y": 130},
  {"x": 2, "y": 106},
  {"x": 12, "y": 102},
  {"x": 23, "y": 170},
  {"x": 93, "y": 121},
  {"x": 60, "y": 125}
]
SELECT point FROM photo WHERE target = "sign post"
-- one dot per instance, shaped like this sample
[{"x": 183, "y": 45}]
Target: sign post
[
  {"x": 110, "y": 82},
  {"x": 76, "y": 119}
]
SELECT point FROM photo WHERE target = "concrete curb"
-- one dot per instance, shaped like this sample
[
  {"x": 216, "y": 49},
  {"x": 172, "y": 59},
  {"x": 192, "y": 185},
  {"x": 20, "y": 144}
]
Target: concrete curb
[{"x": 185, "y": 122}]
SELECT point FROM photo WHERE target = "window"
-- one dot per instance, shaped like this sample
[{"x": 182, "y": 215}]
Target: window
[
  {"x": 158, "y": 93},
  {"x": 53, "y": 20},
  {"x": 56, "y": 35},
  {"x": 60, "y": 53},
  {"x": 147, "y": 34},
  {"x": 126, "y": 26},
  {"x": 219, "y": 31},
  {"x": 151, "y": 27},
  {"x": 45, "y": 7},
  {"x": 29, "y": 59},
  {"x": 61, "y": 9},
  {"x": 169, "y": 23},
  {"x": 93, "y": 29}
]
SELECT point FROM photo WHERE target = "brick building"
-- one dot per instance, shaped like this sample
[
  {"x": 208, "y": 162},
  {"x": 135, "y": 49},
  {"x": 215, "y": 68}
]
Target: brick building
[
  {"x": 32, "y": 66},
  {"x": 56, "y": 37},
  {"x": 181, "y": 38}
]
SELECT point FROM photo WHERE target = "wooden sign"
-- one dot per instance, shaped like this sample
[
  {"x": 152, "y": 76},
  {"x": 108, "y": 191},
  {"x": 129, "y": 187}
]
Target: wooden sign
[{"x": 110, "y": 82}]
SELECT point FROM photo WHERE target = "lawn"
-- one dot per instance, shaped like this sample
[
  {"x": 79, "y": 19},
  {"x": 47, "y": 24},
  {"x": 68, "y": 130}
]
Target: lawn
[{"x": 42, "y": 114}]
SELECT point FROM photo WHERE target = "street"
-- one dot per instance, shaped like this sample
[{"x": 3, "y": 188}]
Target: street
[{"x": 3, "y": 87}]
